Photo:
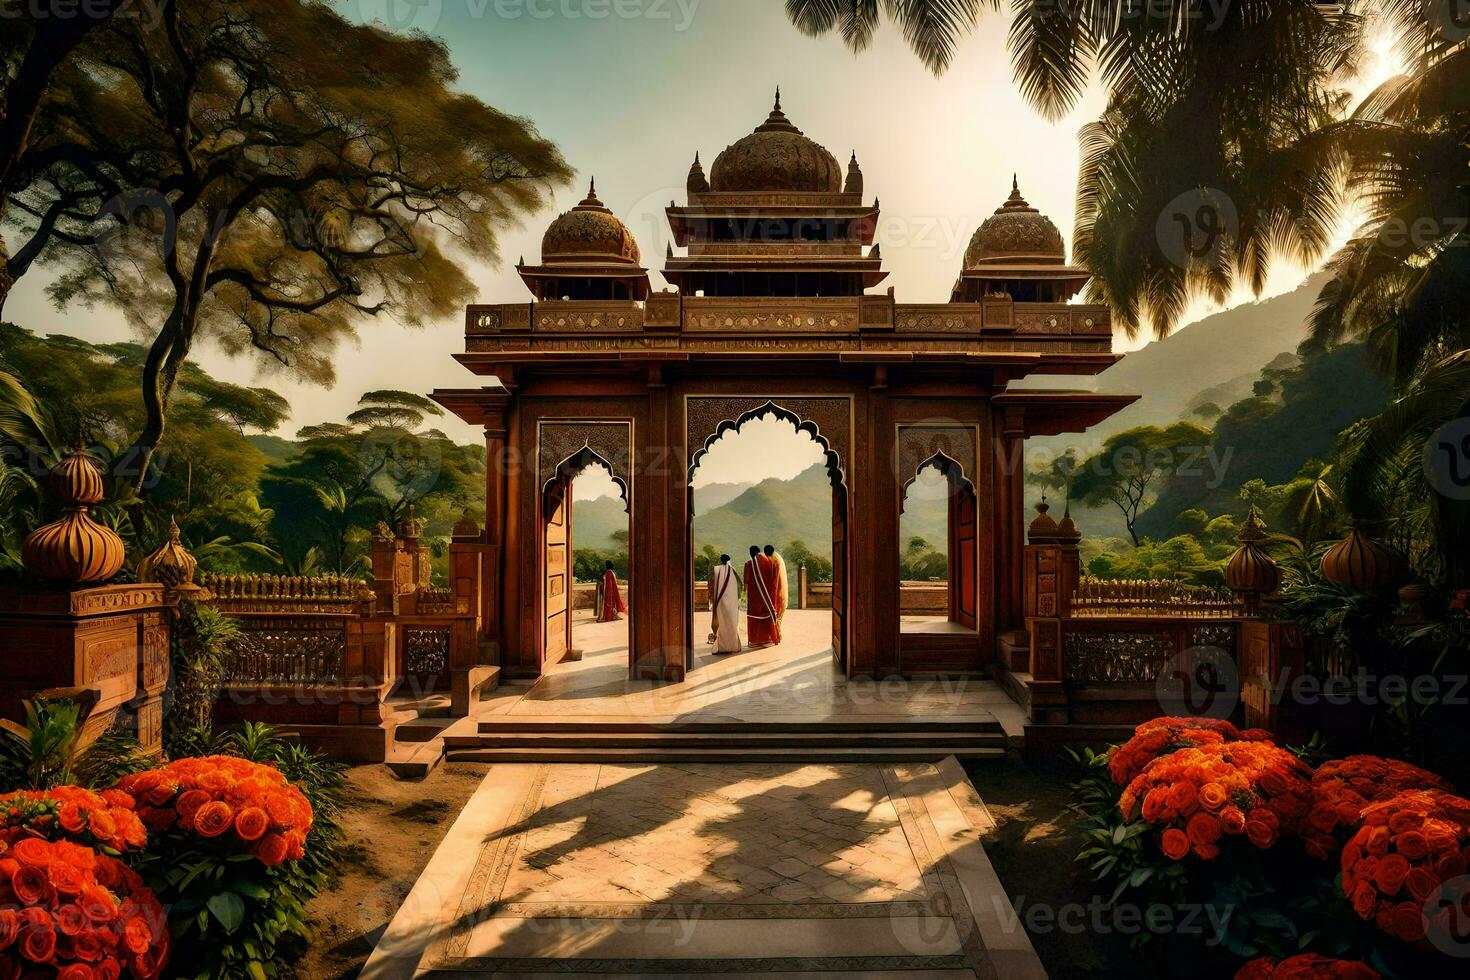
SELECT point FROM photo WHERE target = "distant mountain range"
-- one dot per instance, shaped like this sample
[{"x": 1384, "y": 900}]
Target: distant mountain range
[
  {"x": 1216, "y": 359},
  {"x": 734, "y": 516}
]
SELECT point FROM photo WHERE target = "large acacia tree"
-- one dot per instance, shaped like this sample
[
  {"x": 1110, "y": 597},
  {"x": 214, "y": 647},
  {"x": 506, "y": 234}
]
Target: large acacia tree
[{"x": 266, "y": 175}]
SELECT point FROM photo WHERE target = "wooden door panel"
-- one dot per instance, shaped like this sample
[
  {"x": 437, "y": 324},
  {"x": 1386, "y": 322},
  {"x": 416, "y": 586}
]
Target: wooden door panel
[
  {"x": 839, "y": 577},
  {"x": 962, "y": 556},
  {"x": 557, "y": 629}
]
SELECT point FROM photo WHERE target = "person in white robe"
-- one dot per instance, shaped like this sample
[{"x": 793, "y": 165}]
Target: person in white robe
[{"x": 724, "y": 604}]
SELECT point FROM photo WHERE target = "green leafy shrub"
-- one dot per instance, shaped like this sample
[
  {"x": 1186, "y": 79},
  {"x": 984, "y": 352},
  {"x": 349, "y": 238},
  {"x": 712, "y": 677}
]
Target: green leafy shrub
[
  {"x": 58, "y": 744},
  {"x": 199, "y": 653}
]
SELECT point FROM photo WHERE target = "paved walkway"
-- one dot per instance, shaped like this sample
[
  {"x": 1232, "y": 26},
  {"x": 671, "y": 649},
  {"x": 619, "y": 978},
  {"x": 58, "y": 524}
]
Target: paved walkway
[
  {"x": 795, "y": 681},
  {"x": 842, "y": 870}
]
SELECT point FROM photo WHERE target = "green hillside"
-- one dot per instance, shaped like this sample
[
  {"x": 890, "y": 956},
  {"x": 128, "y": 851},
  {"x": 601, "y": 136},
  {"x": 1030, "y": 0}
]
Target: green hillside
[{"x": 594, "y": 522}]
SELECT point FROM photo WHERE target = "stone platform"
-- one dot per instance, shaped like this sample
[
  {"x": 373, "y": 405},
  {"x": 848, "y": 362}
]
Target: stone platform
[{"x": 755, "y": 869}]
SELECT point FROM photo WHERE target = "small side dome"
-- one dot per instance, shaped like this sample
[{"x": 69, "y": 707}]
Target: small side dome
[
  {"x": 1015, "y": 230},
  {"x": 776, "y": 157},
  {"x": 589, "y": 231}
]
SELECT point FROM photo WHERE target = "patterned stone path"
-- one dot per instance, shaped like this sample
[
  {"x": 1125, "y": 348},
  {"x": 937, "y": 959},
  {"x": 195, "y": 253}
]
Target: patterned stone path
[{"x": 725, "y": 870}]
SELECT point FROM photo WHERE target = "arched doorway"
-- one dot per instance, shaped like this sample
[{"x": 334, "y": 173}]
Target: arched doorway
[
  {"x": 938, "y": 530},
  {"x": 816, "y": 556},
  {"x": 572, "y": 559}
]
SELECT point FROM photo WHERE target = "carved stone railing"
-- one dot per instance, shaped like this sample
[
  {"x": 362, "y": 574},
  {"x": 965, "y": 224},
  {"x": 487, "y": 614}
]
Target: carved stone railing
[
  {"x": 286, "y": 593},
  {"x": 1152, "y": 597},
  {"x": 287, "y": 651},
  {"x": 1136, "y": 649}
]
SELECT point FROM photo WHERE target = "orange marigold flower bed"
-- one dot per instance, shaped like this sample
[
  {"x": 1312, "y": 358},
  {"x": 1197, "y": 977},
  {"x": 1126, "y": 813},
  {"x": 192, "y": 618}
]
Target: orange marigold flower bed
[
  {"x": 1343, "y": 787},
  {"x": 104, "y": 820},
  {"x": 1306, "y": 966},
  {"x": 80, "y": 913},
  {"x": 222, "y": 798},
  {"x": 1161, "y": 736},
  {"x": 1199, "y": 796},
  {"x": 1408, "y": 845}
]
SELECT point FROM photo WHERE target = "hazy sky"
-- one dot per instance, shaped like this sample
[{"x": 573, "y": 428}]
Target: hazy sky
[{"x": 630, "y": 89}]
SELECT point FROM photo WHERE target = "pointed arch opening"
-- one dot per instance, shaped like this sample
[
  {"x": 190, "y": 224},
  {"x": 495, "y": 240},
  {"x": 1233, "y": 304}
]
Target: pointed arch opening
[
  {"x": 586, "y": 508},
  {"x": 769, "y": 473},
  {"x": 937, "y": 559}
]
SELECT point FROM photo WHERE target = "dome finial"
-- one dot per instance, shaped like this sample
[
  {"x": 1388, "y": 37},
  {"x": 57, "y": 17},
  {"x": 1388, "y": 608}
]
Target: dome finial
[
  {"x": 1015, "y": 183},
  {"x": 778, "y": 98}
]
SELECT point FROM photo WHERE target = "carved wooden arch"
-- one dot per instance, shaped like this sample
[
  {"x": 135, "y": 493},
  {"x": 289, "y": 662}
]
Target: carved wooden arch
[
  {"x": 565, "y": 448},
  {"x": 954, "y": 448},
  {"x": 827, "y": 419}
]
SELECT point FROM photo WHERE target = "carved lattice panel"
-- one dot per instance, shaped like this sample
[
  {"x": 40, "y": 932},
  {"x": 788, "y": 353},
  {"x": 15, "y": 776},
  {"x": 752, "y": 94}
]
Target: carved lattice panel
[
  {"x": 426, "y": 649},
  {"x": 919, "y": 445},
  {"x": 288, "y": 651},
  {"x": 828, "y": 419},
  {"x": 1094, "y": 657},
  {"x": 560, "y": 441}
]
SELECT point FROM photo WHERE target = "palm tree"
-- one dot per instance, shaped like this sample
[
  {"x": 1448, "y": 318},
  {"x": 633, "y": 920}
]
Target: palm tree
[
  {"x": 1399, "y": 286},
  {"x": 1214, "y": 125}
]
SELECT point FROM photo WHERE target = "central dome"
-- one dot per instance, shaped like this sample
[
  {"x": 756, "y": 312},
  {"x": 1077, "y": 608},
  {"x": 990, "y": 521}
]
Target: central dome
[
  {"x": 1015, "y": 230},
  {"x": 776, "y": 157},
  {"x": 589, "y": 231}
]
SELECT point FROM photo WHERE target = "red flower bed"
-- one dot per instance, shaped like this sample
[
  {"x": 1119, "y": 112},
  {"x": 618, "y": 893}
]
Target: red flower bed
[
  {"x": 103, "y": 820},
  {"x": 1307, "y": 966},
  {"x": 225, "y": 799},
  {"x": 1162, "y": 736},
  {"x": 1199, "y": 796},
  {"x": 1407, "y": 847},
  {"x": 85, "y": 915},
  {"x": 1343, "y": 787}
]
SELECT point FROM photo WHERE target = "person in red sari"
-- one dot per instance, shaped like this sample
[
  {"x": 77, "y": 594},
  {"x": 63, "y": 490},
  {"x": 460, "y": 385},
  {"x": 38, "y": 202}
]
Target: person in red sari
[
  {"x": 609, "y": 597},
  {"x": 762, "y": 585}
]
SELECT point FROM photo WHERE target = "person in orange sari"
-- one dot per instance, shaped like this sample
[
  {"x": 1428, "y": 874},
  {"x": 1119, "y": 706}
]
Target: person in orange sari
[
  {"x": 610, "y": 604},
  {"x": 762, "y": 584}
]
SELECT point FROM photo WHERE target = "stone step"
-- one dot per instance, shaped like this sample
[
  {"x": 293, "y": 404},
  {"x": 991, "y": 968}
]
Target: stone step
[
  {"x": 718, "y": 753},
  {"x": 725, "y": 739},
  {"x": 986, "y": 724}
]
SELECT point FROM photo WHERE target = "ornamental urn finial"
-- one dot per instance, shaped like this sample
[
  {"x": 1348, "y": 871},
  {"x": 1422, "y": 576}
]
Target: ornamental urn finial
[
  {"x": 410, "y": 528},
  {"x": 1363, "y": 564},
  {"x": 75, "y": 548},
  {"x": 1043, "y": 528},
  {"x": 1252, "y": 573},
  {"x": 1067, "y": 529},
  {"x": 171, "y": 565}
]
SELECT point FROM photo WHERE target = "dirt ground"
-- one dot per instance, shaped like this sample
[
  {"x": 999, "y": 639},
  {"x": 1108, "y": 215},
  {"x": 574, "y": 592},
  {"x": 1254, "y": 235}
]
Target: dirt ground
[
  {"x": 1032, "y": 850},
  {"x": 393, "y": 827}
]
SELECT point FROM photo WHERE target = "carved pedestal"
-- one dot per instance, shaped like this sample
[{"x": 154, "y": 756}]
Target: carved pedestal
[{"x": 112, "y": 639}]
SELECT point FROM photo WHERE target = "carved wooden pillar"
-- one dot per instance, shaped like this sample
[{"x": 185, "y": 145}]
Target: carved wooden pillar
[
  {"x": 497, "y": 466},
  {"x": 660, "y": 577},
  {"x": 1047, "y": 604},
  {"x": 506, "y": 597},
  {"x": 877, "y": 586},
  {"x": 1009, "y": 517}
]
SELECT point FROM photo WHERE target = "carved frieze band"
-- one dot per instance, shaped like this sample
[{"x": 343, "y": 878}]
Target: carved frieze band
[
  {"x": 612, "y": 441},
  {"x": 920, "y": 444},
  {"x": 827, "y": 419}
]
